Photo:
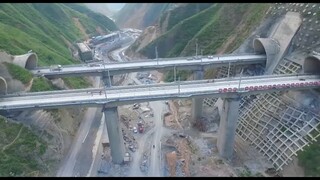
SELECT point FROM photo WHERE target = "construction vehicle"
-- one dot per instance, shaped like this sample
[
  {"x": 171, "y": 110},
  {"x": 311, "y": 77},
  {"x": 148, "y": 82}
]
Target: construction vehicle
[
  {"x": 140, "y": 127},
  {"x": 127, "y": 157},
  {"x": 136, "y": 106}
]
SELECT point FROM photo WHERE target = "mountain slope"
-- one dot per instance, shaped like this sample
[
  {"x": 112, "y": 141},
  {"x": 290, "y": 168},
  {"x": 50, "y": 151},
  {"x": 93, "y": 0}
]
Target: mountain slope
[
  {"x": 100, "y": 8},
  {"x": 35, "y": 141},
  {"x": 210, "y": 27},
  {"x": 140, "y": 15},
  {"x": 47, "y": 29}
]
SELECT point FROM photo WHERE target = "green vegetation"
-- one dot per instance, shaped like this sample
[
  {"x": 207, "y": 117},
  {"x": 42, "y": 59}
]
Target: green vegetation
[
  {"x": 46, "y": 28},
  {"x": 183, "y": 74},
  {"x": 96, "y": 18},
  {"x": 234, "y": 27},
  {"x": 42, "y": 84},
  {"x": 19, "y": 73},
  {"x": 171, "y": 43},
  {"x": 152, "y": 11},
  {"x": 309, "y": 159},
  {"x": 183, "y": 12},
  {"x": 250, "y": 21},
  {"x": 218, "y": 28},
  {"x": 76, "y": 82},
  {"x": 20, "y": 150}
]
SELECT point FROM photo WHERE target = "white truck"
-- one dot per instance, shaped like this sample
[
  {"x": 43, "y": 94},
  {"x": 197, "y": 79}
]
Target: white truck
[
  {"x": 127, "y": 157},
  {"x": 56, "y": 68}
]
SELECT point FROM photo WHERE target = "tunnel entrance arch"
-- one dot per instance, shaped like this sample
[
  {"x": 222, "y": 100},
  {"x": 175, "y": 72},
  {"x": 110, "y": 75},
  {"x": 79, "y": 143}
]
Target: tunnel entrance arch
[
  {"x": 266, "y": 46},
  {"x": 3, "y": 86},
  {"x": 31, "y": 61},
  {"x": 28, "y": 61},
  {"x": 312, "y": 64}
]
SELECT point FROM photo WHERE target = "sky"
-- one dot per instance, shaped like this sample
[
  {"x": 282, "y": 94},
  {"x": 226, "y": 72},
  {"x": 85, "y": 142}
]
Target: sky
[{"x": 115, "y": 6}]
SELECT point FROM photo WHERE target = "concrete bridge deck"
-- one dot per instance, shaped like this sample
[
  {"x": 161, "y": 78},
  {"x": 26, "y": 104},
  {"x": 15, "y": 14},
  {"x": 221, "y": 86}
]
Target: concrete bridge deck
[
  {"x": 149, "y": 65},
  {"x": 114, "y": 96}
]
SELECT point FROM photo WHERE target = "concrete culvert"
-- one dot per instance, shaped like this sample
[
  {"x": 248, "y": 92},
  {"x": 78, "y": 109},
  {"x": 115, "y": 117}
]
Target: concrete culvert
[
  {"x": 3, "y": 86},
  {"x": 312, "y": 64}
]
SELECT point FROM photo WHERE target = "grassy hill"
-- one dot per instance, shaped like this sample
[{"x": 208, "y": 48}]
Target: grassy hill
[
  {"x": 48, "y": 29},
  {"x": 21, "y": 151},
  {"x": 211, "y": 27},
  {"x": 217, "y": 28}
]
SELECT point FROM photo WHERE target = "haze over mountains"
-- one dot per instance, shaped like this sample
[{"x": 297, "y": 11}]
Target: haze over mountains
[{"x": 107, "y": 9}]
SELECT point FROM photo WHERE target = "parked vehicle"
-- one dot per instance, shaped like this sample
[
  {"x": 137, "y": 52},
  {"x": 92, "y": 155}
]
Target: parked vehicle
[
  {"x": 136, "y": 106},
  {"x": 135, "y": 130},
  {"x": 140, "y": 127}
]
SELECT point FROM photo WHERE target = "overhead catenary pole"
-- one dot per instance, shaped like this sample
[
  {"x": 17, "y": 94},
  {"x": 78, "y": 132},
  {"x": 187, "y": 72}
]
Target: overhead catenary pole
[
  {"x": 174, "y": 73},
  {"x": 196, "y": 47},
  {"x": 104, "y": 69},
  {"x": 229, "y": 70},
  {"x": 156, "y": 48},
  {"x": 109, "y": 78},
  {"x": 240, "y": 78},
  {"x": 179, "y": 85}
]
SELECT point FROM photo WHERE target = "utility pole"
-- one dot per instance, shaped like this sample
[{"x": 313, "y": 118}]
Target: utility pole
[
  {"x": 109, "y": 78},
  {"x": 179, "y": 85},
  {"x": 229, "y": 70},
  {"x": 196, "y": 47},
  {"x": 201, "y": 54},
  {"x": 156, "y": 49},
  {"x": 240, "y": 78},
  {"x": 174, "y": 73},
  {"x": 104, "y": 69}
]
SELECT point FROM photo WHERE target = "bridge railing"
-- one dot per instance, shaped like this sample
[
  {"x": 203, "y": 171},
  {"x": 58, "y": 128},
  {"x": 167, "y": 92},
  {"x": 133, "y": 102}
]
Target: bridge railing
[{"x": 150, "y": 60}]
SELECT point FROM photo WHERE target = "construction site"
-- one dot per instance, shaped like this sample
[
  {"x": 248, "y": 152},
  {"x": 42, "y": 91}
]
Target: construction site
[
  {"x": 271, "y": 128},
  {"x": 137, "y": 123}
]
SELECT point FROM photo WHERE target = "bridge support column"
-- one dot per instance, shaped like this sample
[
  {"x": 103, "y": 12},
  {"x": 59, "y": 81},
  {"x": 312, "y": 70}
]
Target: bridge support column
[
  {"x": 113, "y": 127},
  {"x": 228, "y": 124},
  {"x": 197, "y": 102},
  {"x": 114, "y": 134},
  {"x": 107, "y": 80}
]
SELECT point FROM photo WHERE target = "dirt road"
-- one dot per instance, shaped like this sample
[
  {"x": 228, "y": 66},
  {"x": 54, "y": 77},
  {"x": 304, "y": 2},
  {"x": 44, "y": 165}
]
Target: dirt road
[
  {"x": 137, "y": 156},
  {"x": 68, "y": 164},
  {"x": 155, "y": 169}
]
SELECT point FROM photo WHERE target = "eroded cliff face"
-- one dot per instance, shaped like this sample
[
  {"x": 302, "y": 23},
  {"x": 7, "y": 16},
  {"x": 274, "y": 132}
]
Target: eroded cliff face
[
  {"x": 141, "y": 15},
  {"x": 148, "y": 35}
]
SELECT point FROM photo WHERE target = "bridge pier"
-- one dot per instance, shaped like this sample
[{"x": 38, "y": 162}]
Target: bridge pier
[
  {"x": 197, "y": 102},
  {"x": 113, "y": 127},
  {"x": 115, "y": 134},
  {"x": 227, "y": 129}
]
